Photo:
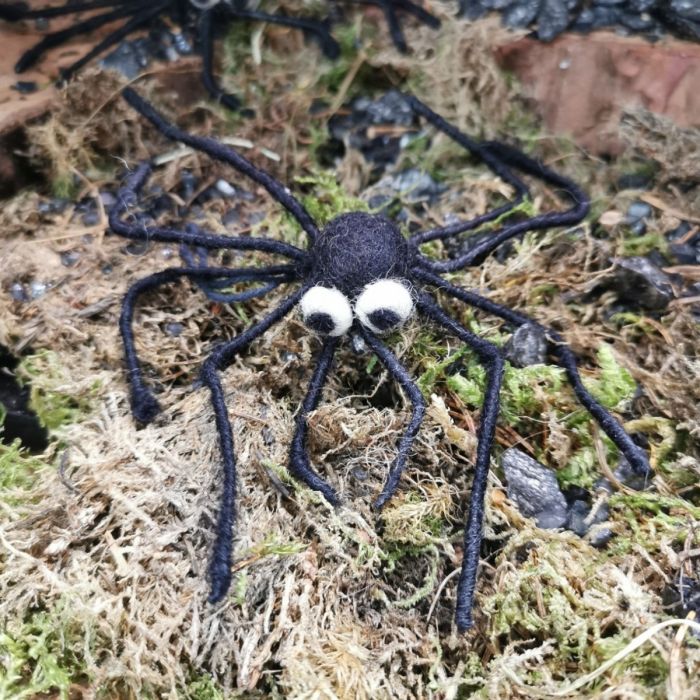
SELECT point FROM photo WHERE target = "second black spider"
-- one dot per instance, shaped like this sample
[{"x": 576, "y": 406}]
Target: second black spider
[
  {"x": 358, "y": 276},
  {"x": 206, "y": 18}
]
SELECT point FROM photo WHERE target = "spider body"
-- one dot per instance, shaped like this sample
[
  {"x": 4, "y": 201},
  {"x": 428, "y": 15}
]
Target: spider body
[
  {"x": 355, "y": 249},
  {"x": 359, "y": 276}
]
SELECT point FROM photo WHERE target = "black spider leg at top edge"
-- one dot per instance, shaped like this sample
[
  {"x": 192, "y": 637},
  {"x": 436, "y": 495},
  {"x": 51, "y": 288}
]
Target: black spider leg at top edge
[
  {"x": 315, "y": 28},
  {"x": 228, "y": 155},
  {"x": 224, "y": 13},
  {"x": 299, "y": 463},
  {"x": 138, "y": 14},
  {"x": 20, "y": 11},
  {"x": 138, "y": 20},
  {"x": 391, "y": 8}
]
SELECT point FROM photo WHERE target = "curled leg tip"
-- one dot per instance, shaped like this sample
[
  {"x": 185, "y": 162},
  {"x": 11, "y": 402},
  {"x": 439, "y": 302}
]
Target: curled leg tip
[
  {"x": 379, "y": 503},
  {"x": 464, "y": 621},
  {"x": 220, "y": 577},
  {"x": 144, "y": 406}
]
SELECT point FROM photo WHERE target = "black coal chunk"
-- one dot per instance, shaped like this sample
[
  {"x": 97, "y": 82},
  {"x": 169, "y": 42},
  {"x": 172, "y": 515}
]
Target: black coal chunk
[
  {"x": 534, "y": 489},
  {"x": 641, "y": 283},
  {"x": 527, "y": 346}
]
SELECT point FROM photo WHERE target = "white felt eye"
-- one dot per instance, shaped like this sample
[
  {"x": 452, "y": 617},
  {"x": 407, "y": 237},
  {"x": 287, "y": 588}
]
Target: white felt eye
[
  {"x": 383, "y": 305},
  {"x": 326, "y": 311}
]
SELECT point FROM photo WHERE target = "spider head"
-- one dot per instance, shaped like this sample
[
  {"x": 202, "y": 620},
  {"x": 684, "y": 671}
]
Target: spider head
[{"x": 359, "y": 271}]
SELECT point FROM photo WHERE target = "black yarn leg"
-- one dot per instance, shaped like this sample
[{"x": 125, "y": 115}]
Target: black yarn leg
[
  {"x": 144, "y": 405},
  {"x": 223, "y": 355},
  {"x": 299, "y": 463},
  {"x": 138, "y": 20},
  {"x": 31, "y": 56},
  {"x": 227, "y": 155},
  {"x": 127, "y": 198},
  {"x": 419, "y": 13},
  {"x": 398, "y": 371},
  {"x": 329, "y": 45},
  {"x": 392, "y": 20},
  {"x": 565, "y": 358},
  {"x": 573, "y": 215},
  {"x": 492, "y": 358},
  {"x": 19, "y": 11},
  {"x": 206, "y": 36}
]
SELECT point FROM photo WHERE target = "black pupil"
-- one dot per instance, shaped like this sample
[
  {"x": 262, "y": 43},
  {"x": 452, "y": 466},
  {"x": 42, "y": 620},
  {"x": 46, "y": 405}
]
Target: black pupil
[
  {"x": 383, "y": 319},
  {"x": 321, "y": 323}
]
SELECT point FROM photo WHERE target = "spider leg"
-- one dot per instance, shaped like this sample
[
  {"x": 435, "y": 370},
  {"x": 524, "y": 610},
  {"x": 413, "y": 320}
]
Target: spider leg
[
  {"x": 127, "y": 198},
  {"x": 392, "y": 20},
  {"x": 211, "y": 286},
  {"x": 227, "y": 155},
  {"x": 16, "y": 12},
  {"x": 483, "y": 152},
  {"x": 223, "y": 355},
  {"x": 419, "y": 13},
  {"x": 492, "y": 358},
  {"x": 31, "y": 56},
  {"x": 389, "y": 8},
  {"x": 144, "y": 405},
  {"x": 398, "y": 371},
  {"x": 206, "y": 37},
  {"x": 141, "y": 17},
  {"x": 580, "y": 206},
  {"x": 565, "y": 359},
  {"x": 299, "y": 464},
  {"x": 329, "y": 45}
]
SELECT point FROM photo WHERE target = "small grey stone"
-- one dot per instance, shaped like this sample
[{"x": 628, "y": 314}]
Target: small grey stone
[
  {"x": 18, "y": 292},
  {"x": 527, "y": 346},
  {"x": 69, "y": 258},
  {"x": 637, "y": 211},
  {"x": 577, "y": 518},
  {"x": 534, "y": 489}
]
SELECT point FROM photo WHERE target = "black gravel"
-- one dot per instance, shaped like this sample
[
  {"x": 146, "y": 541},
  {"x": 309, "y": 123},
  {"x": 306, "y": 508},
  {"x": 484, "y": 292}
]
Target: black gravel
[
  {"x": 549, "y": 18},
  {"x": 534, "y": 489}
]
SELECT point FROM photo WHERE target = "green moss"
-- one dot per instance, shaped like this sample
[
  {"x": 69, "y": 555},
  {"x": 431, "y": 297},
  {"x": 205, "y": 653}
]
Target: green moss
[
  {"x": 65, "y": 186},
  {"x": 328, "y": 198},
  {"x": 429, "y": 583},
  {"x": 204, "y": 688},
  {"x": 615, "y": 386},
  {"x": 641, "y": 245},
  {"x": 43, "y": 654},
  {"x": 53, "y": 396},
  {"x": 526, "y": 391}
]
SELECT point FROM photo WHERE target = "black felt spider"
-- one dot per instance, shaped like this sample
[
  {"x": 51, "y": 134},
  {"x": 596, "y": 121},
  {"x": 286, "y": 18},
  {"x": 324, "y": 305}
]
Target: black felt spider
[
  {"x": 207, "y": 17},
  {"x": 358, "y": 275}
]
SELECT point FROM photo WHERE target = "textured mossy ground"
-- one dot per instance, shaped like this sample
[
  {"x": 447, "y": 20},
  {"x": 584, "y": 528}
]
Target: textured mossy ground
[{"x": 104, "y": 538}]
